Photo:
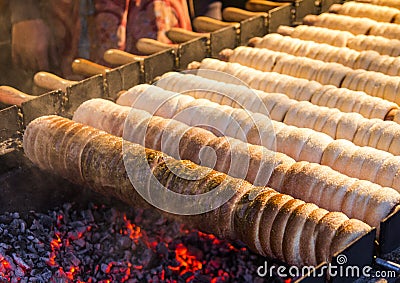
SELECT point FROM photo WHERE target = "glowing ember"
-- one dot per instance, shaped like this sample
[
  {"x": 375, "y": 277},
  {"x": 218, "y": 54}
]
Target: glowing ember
[
  {"x": 5, "y": 268},
  {"x": 103, "y": 245},
  {"x": 132, "y": 230},
  {"x": 187, "y": 261},
  {"x": 72, "y": 272}
]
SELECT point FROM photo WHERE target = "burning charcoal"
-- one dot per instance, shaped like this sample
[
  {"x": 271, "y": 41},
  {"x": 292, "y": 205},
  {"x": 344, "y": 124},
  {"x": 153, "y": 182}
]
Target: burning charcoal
[
  {"x": 105, "y": 268},
  {"x": 7, "y": 262},
  {"x": 99, "y": 244}
]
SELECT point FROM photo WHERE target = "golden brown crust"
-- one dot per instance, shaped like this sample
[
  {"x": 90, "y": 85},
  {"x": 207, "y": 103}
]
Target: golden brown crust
[
  {"x": 279, "y": 226},
  {"x": 295, "y": 178},
  {"x": 292, "y": 237},
  {"x": 278, "y": 176},
  {"x": 258, "y": 216},
  {"x": 326, "y": 230},
  {"x": 248, "y": 224},
  {"x": 192, "y": 142},
  {"x": 270, "y": 211},
  {"x": 348, "y": 232},
  {"x": 308, "y": 238}
]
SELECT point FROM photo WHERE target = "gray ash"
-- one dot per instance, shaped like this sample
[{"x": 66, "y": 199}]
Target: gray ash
[{"x": 103, "y": 244}]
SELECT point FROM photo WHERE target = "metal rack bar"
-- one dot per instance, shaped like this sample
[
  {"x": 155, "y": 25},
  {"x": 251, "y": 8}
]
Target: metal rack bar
[
  {"x": 252, "y": 27},
  {"x": 221, "y": 39},
  {"x": 123, "y": 78},
  {"x": 92, "y": 87},
  {"x": 45, "y": 104},
  {"x": 158, "y": 64}
]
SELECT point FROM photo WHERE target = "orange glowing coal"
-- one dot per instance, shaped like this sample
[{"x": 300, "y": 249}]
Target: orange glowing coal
[
  {"x": 55, "y": 245},
  {"x": 5, "y": 264},
  {"x": 187, "y": 262},
  {"x": 5, "y": 267},
  {"x": 132, "y": 230},
  {"x": 71, "y": 273}
]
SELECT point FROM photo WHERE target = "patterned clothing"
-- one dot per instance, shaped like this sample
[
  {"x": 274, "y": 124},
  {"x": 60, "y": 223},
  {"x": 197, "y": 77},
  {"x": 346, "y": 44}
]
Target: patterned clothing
[
  {"x": 152, "y": 18},
  {"x": 120, "y": 23}
]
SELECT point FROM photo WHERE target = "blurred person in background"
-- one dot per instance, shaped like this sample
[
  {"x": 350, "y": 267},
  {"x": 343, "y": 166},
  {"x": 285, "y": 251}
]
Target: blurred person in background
[
  {"x": 44, "y": 34},
  {"x": 152, "y": 19},
  {"x": 121, "y": 23},
  {"x": 37, "y": 35},
  {"x": 49, "y": 34}
]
